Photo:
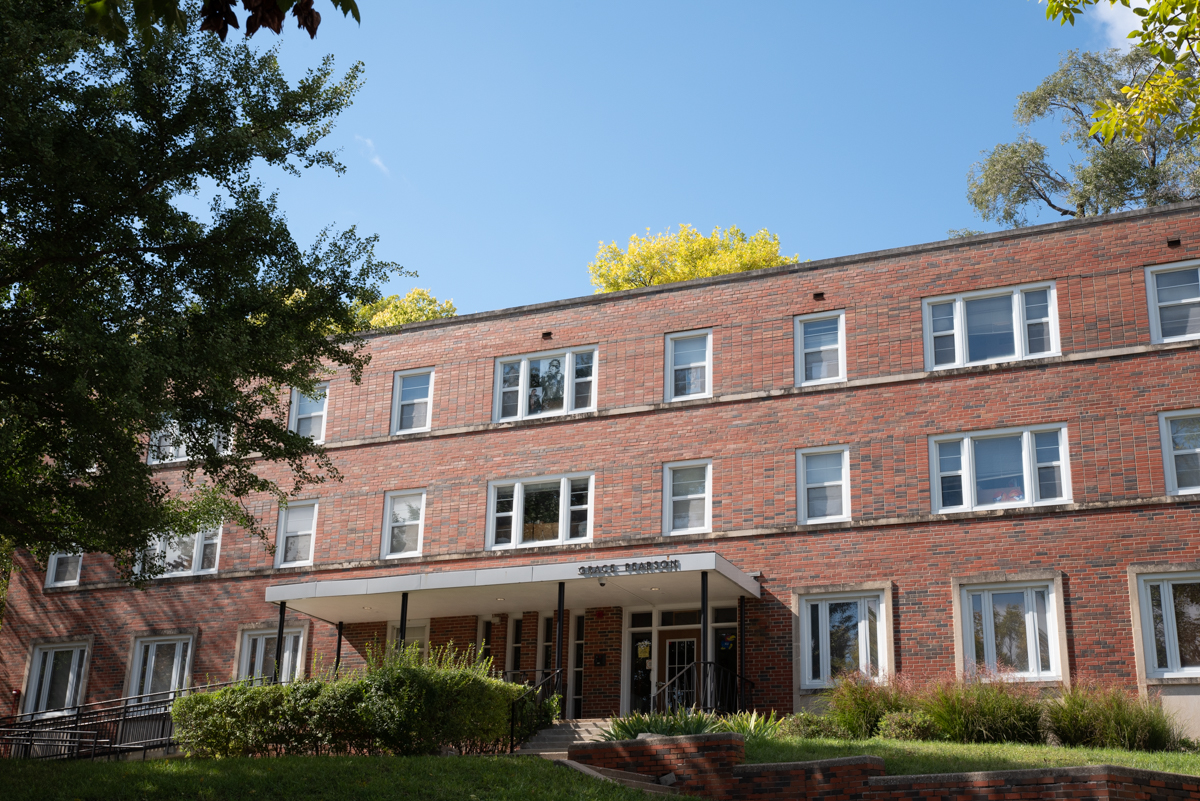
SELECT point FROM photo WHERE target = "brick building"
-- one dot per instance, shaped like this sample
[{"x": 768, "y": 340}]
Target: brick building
[{"x": 973, "y": 453}]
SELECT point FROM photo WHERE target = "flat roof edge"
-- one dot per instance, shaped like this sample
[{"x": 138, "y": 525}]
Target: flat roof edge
[{"x": 1165, "y": 210}]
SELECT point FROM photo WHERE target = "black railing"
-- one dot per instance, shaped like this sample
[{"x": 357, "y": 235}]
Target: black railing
[
  {"x": 706, "y": 686},
  {"x": 101, "y": 728},
  {"x": 530, "y": 705}
]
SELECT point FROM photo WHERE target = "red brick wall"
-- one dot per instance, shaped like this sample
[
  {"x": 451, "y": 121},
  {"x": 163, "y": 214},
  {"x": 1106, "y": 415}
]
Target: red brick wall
[
  {"x": 463, "y": 631},
  {"x": 703, "y": 763},
  {"x": 499, "y": 643},
  {"x": 602, "y": 683},
  {"x": 529, "y": 642}
]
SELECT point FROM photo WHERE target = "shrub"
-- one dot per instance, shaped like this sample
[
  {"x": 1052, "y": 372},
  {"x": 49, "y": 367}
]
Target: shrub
[
  {"x": 985, "y": 711},
  {"x": 908, "y": 725},
  {"x": 808, "y": 726},
  {"x": 681, "y": 721},
  {"x": 857, "y": 704},
  {"x": 401, "y": 705},
  {"x": 1087, "y": 715},
  {"x": 755, "y": 727}
]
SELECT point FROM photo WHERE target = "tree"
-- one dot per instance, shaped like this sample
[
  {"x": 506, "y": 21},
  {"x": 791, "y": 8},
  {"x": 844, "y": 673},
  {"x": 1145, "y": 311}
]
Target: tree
[
  {"x": 217, "y": 16},
  {"x": 417, "y": 305},
  {"x": 665, "y": 258},
  {"x": 124, "y": 317},
  {"x": 1112, "y": 174},
  {"x": 1169, "y": 87}
]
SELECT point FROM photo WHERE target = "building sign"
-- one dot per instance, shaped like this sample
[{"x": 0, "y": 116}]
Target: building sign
[{"x": 631, "y": 568}]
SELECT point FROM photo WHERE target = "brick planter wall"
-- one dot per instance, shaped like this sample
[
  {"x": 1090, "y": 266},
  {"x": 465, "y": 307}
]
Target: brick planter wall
[
  {"x": 1090, "y": 782},
  {"x": 702, "y": 763}
]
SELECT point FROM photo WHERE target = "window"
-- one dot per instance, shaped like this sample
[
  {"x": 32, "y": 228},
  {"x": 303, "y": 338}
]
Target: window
[
  {"x": 689, "y": 365},
  {"x": 541, "y": 511},
  {"x": 63, "y": 570},
  {"x": 545, "y": 384},
  {"x": 190, "y": 553},
  {"x": 1180, "y": 433},
  {"x": 513, "y": 665},
  {"x": 403, "y": 526},
  {"x": 1011, "y": 630},
  {"x": 824, "y": 484},
  {"x": 295, "y": 542},
  {"x": 820, "y": 348},
  {"x": 842, "y": 634},
  {"x": 56, "y": 680},
  {"x": 308, "y": 414},
  {"x": 1170, "y": 610},
  {"x": 1174, "y": 296},
  {"x": 1000, "y": 469},
  {"x": 161, "y": 665},
  {"x": 258, "y": 656},
  {"x": 688, "y": 506},
  {"x": 411, "y": 393},
  {"x": 996, "y": 325},
  {"x": 415, "y": 633},
  {"x": 168, "y": 445}
]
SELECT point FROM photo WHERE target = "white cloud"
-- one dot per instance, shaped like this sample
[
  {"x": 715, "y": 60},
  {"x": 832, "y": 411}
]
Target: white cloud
[
  {"x": 1115, "y": 22},
  {"x": 367, "y": 148}
]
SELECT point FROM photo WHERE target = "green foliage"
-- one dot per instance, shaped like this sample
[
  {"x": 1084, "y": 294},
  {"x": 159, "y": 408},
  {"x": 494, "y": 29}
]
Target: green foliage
[
  {"x": 1087, "y": 715},
  {"x": 909, "y": 724},
  {"x": 108, "y": 16},
  {"x": 400, "y": 705},
  {"x": 123, "y": 315},
  {"x": 393, "y": 310},
  {"x": 857, "y": 704},
  {"x": 6, "y": 569},
  {"x": 1108, "y": 174},
  {"x": 808, "y": 725},
  {"x": 755, "y": 726},
  {"x": 985, "y": 711},
  {"x": 672, "y": 724},
  {"x": 666, "y": 258}
]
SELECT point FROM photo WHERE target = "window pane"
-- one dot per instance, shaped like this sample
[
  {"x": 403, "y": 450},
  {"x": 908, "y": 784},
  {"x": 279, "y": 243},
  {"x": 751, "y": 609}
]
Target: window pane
[
  {"x": 1187, "y": 470},
  {"x": 60, "y": 680},
  {"x": 1178, "y": 285},
  {"x": 508, "y": 404},
  {"x": 296, "y": 549},
  {"x": 300, "y": 518},
  {"x": 1008, "y": 626},
  {"x": 1038, "y": 337},
  {"x": 579, "y": 491},
  {"x": 504, "y": 499},
  {"x": 209, "y": 559},
  {"x": 1037, "y": 317},
  {"x": 873, "y": 635},
  {"x": 510, "y": 375},
  {"x": 412, "y": 415},
  {"x": 999, "y": 476},
  {"x": 821, "y": 334},
  {"x": 824, "y": 501},
  {"x": 1187, "y": 623},
  {"x": 942, "y": 315},
  {"x": 179, "y": 552},
  {"x": 977, "y": 629},
  {"x": 510, "y": 378},
  {"x": 688, "y": 481},
  {"x": 821, "y": 364},
  {"x": 503, "y": 530},
  {"x": 690, "y": 350},
  {"x": 403, "y": 537},
  {"x": 814, "y": 630},
  {"x": 309, "y": 406},
  {"x": 583, "y": 365},
  {"x": 950, "y": 456},
  {"x": 1037, "y": 305},
  {"x": 308, "y": 426},
  {"x": 1179, "y": 321},
  {"x": 146, "y": 651},
  {"x": 541, "y": 508},
  {"x": 579, "y": 523},
  {"x": 843, "y": 637},
  {"x": 943, "y": 349},
  {"x": 823, "y": 468},
  {"x": 414, "y": 387},
  {"x": 1185, "y": 433},
  {"x": 952, "y": 491},
  {"x": 1046, "y": 444},
  {"x": 268, "y": 656},
  {"x": 989, "y": 328},
  {"x": 1049, "y": 482},
  {"x": 687, "y": 514},
  {"x": 1160, "y": 626},
  {"x": 583, "y": 394},
  {"x": 1043, "y": 629},
  {"x": 164, "y": 667},
  {"x": 66, "y": 569},
  {"x": 689, "y": 381},
  {"x": 546, "y": 385}
]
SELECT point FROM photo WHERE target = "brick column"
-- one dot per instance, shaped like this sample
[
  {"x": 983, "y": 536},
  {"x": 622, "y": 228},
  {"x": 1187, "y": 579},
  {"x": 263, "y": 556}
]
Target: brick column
[
  {"x": 529, "y": 643},
  {"x": 499, "y": 643},
  {"x": 602, "y": 643}
]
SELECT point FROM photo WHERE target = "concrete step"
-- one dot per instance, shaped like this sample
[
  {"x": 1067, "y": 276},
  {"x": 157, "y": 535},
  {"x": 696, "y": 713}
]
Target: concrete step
[{"x": 647, "y": 784}]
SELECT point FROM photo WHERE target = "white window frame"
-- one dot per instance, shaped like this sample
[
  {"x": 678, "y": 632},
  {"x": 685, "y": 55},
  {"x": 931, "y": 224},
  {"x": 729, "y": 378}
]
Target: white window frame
[
  {"x": 178, "y": 452},
  {"x": 1149, "y": 652},
  {"x": 1028, "y": 462},
  {"x": 669, "y": 364},
  {"x": 34, "y": 694},
  {"x": 802, "y": 484},
  {"x": 523, "y": 413},
  {"x": 181, "y": 673},
  {"x": 967, "y": 633},
  {"x": 564, "y": 510},
  {"x": 296, "y": 670},
  {"x": 800, "y": 350},
  {"x": 209, "y": 536},
  {"x": 294, "y": 415},
  {"x": 281, "y": 534},
  {"x": 883, "y": 618},
  {"x": 385, "y": 542},
  {"x": 52, "y": 567},
  {"x": 397, "y": 381},
  {"x": 1020, "y": 332},
  {"x": 1156, "y": 336},
  {"x": 1164, "y": 433},
  {"x": 667, "y": 518},
  {"x": 393, "y": 634}
]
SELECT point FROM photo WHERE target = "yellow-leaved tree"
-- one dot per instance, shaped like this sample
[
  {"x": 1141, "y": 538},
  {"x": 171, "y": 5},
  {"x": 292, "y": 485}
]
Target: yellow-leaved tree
[
  {"x": 667, "y": 257},
  {"x": 417, "y": 305}
]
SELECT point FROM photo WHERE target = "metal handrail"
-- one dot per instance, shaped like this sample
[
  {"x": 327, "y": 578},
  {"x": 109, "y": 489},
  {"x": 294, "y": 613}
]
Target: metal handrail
[
  {"x": 710, "y": 690},
  {"x": 554, "y": 676},
  {"x": 170, "y": 695}
]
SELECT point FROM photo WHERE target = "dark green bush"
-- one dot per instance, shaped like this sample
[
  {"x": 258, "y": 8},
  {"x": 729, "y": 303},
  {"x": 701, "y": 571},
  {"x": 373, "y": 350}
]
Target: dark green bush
[
  {"x": 985, "y": 711},
  {"x": 401, "y": 705},
  {"x": 808, "y": 725},
  {"x": 857, "y": 704},
  {"x": 908, "y": 725},
  {"x": 1087, "y": 715},
  {"x": 681, "y": 721}
]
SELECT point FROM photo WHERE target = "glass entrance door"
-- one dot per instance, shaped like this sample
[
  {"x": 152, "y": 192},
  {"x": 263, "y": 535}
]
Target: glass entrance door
[
  {"x": 681, "y": 673},
  {"x": 641, "y": 670}
]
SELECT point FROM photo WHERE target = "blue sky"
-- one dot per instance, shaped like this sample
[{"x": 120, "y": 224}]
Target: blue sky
[{"x": 496, "y": 144}]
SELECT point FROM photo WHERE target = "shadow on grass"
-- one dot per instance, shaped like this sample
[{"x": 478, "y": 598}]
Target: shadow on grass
[{"x": 908, "y": 758}]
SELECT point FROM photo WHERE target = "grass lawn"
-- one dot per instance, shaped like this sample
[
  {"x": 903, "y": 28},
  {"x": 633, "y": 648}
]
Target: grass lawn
[
  {"x": 291, "y": 778},
  {"x": 902, "y": 757}
]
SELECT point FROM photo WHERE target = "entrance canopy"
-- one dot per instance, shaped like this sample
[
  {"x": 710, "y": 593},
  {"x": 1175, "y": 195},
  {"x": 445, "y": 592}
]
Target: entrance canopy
[{"x": 627, "y": 583}]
